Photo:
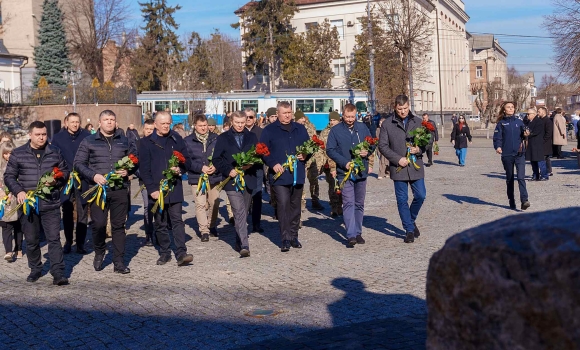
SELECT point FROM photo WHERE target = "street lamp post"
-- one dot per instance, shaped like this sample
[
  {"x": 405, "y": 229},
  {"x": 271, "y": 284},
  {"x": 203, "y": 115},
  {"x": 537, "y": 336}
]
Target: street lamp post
[{"x": 73, "y": 77}]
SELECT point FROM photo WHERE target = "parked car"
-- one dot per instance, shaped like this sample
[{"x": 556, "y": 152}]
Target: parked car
[{"x": 473, "y": 118}]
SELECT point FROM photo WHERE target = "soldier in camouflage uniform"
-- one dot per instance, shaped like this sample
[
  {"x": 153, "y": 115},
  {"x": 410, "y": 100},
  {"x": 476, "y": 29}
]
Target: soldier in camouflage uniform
[
  {"x": 313, "y": 166},
  {"x": 212, "y": 126},
  {"x": 329, "y": 168}
]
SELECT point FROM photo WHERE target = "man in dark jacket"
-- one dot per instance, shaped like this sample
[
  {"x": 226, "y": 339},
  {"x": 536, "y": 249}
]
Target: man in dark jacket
[
  {"x": 238, "y": 139},
  {"x": 341, "y": 140},
  {"x": 148, "y": 128},
  {"x": 548, "y": 136},
  {"x": 434, "y": 139},
  {"x": 68, "y": 141},
  {"x": 26, "y": 166},
  {"x": 132, "y": 133},
  {"x": 282, "y": 137},
  {"x": 154, "y": 153},
  {"x": 95, "y": 159},
  {"x": 200, "y": 146},
  {"x": 393, "y": 142},
  {"x": 257, "y": 195},
  {"x": 535, "y": 146}
]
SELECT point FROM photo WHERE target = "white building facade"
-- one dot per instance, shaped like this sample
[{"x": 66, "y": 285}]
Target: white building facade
[{"x": 445, "y": 87}]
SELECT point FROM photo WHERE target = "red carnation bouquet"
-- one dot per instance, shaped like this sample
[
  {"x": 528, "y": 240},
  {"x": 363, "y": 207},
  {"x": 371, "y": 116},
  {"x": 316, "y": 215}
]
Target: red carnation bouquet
[
  {"x": 309, "y": 147},
  {"x": 421, "y": 138},
  {"x": 167, "y": 184},
  {"x": 113, "y": 180},
  {"x": 357, "y": 164},
  {"x": 46, "y": 184},
  {"x": 245, "y": 160}
]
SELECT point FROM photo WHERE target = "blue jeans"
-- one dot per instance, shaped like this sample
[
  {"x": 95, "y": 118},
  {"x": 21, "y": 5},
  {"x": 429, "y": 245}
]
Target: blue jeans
[
  {"x": 461, "y": 153},
  {"x": 539, "y": 170},
  {"x": 353, "y": 206},
  {"x": 408, "y": 213},
  {"x": 519, "y": 162}
]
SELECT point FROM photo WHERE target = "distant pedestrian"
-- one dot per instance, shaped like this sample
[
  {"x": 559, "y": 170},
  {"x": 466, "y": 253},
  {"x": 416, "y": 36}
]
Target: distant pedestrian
[
  {"x": 508, "y": 141},
  {"x": 132, "y": 133},
  {"x": 454, "y": 119},
  {"x": 383, "y": 161},
  {"x": 460, "y": 137},
  {"x": 434, "y": 139},
  {"x": 559, "y": 135},
  {"x": 535, "y": 146},
  {"x": 548, "y": 135}
]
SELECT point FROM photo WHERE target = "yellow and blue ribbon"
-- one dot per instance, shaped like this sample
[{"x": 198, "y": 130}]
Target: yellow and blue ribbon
[
  {"x": 239, "y": 182},
  {"x": 100, "y": 195},
  {"x": 353, "y": 170},
  {"x": 164, "y": 188},
  {"x": 74, "y": 176},
  {"x": 30, "y": 203},
  {"x": 291, "y": 164},
  {"x": 203, "y": 185},
  {"x": 3, "y": 203}
]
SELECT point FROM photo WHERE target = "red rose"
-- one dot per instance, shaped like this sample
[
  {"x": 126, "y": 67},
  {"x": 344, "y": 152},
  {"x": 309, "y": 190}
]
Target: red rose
[
  {"x": 262, "y": 150},
  {"x": 57, "y": 173},
  {"x": 338, "y": 191},
  {"x": 133, "y": 159},
  {"x": 179, "y": 157},
  {"x": 428, "y": 126}
]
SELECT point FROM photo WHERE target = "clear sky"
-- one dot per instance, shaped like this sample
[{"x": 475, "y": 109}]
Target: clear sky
[{"x": 513, "y": 17}]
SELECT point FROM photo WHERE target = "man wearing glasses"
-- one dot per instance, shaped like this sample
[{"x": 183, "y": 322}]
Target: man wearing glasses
[{"x": 257, "y": 194}]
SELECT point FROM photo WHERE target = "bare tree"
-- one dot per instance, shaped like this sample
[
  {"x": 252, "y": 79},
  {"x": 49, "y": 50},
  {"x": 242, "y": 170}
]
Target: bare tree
[
  {"x": 563, "y": 26},
  {"x": 409, "y": 28},
  {"x": 487, "y": 101},
  {"x": 91, "y": 24},
  {"x": 518, "y": 89},
  {"x": 554, "y": 91}
]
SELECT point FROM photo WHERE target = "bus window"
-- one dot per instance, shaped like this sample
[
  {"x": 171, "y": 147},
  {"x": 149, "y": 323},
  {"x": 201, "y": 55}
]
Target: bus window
[
  {"x": 361, "y": 106},
  {"x": 306, "y": 106},
  {"x": 324, "y": 106},
  {"x": 253, "y": 104},
  {"x": 161, "y": 105},
  {"x": 179, "y": 107}
]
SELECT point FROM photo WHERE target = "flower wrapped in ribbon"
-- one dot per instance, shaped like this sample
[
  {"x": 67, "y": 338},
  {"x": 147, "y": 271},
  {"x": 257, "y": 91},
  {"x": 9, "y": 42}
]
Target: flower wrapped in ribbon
[
  {"x": 244, "y": 160},
  {"x": 337, "y": 187},
  {"x": 170, "y": 177},
  {"x": 436, "y": 149},
  {"x": 203, "y": 185},
  {"x": 46, "y": 184},
  {"x": 72, "y": 179},
  {"x": 421, "y": 137},
  {"x": 308, "y": 148},
  {"x": 99, "y": 192},
  {"x": 356, "y": 166},
  {"x": 4, "y": 201}
]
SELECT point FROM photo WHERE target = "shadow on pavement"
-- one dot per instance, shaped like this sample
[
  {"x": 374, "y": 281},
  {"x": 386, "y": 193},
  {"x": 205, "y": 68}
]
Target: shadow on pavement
[
  {"x": 472, "y": 200},
  {"x": 382, "y": 225}
]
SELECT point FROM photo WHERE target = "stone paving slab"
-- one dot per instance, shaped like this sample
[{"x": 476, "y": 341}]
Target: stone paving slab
[{"x": 326, "y": 295}]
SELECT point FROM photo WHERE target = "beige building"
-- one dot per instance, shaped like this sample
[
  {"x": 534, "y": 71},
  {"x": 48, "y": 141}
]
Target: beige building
[{"x": 445, "y": 88}]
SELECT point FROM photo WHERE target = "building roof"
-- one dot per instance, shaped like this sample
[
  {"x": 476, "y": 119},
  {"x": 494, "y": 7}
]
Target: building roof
[
  {"x": 5, "y": 53},
  {"x": 484, "y": 42},
  {"x": 296, "y": 2}
]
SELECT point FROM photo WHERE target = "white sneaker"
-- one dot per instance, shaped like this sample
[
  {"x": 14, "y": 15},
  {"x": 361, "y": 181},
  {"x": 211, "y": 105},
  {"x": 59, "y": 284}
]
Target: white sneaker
[{"x": 8, "y": 257}]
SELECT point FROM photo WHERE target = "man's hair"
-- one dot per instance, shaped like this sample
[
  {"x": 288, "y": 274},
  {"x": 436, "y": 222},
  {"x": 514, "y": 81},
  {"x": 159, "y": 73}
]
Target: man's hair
[
  {"x": 558, "y": 110},
  {"x": 401, "y": 100},
  {"x": 238, "y": 114},
  {"x": 425, "y": 114},
  {"x": 283, "y": 104},
  {"x": 178, "y": 126},
  {"x": 199, "y": 118},
  {"x": 349, "y": 107},
  {"x": 149, "y": 122},
  {"x": 544, "y": 108},
  {"x": 249, "y": 109},
  {"x": 107, "y": 113},
  {"x": 532, "y": 110},
  {"x": 163, "y": 113},
  {"x": 72, "y": 114},
  {"x": 36, "y": 125}
]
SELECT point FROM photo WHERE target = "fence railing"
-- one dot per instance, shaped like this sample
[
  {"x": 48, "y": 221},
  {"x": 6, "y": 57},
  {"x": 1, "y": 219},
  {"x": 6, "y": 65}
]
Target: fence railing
[{"x": 57, "y": 95}]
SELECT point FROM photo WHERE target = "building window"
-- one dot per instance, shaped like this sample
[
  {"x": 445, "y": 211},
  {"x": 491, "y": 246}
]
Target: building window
[
  {"x": 306, "y": 106},
  {"x": 339, "y": 67},
  {"x": 496, "y": 95},
  {"x": 338, "y": 24},
  {"x": 310, "y": 25},
  {"x": 359, "y": 25},
  {"x": 479, "y": 72}
]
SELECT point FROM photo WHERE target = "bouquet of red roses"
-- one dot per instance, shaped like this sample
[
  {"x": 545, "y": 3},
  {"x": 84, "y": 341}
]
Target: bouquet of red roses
[
  {"x": 421, "y": 138},
  {"x": 357, "y": 164},
  {"x": 309, "y": 147},
  {"x": 167, "y": 184},
  {"x": 113, "y": 180},
  {"x": 245, "y": 160},
  {"x": 46, "y": 184}
]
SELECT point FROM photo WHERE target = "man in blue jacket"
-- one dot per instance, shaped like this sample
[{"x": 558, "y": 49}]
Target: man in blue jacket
[
  {"x": 68, "y": 141},
  {"x": 341, "y": 140},
  {"x": 154, "y": 154},
  {"x": 26, "y": 166},
  {"x": 282, "y": 137}
]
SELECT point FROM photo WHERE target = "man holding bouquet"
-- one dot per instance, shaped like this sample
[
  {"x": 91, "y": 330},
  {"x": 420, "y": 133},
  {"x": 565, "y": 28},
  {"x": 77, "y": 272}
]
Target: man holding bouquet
[
  {"x": 286, "y": 171},
  {"x": 398, "y": 145},
  {"x": 95, "y": 162},
  {"x": 161, "y": 174},
  {"x": 349, "y": 146},
  {"x": 26, "y": 166}
]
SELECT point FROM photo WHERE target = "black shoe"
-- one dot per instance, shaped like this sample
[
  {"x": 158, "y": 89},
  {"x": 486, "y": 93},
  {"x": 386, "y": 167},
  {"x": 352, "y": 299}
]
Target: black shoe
[
  {"x": 232, "y": 221},
  {"x": 428, "y": 165},
  {"x": 410, "y": 238},
  {"x": 416, "y": 232},
  {"x": 295, "y": 243},
  {"x": 98, "y": 262},
  {"x": 285, "y": 246},
  {"x": 245, "y": 252},
  {"x": 213, "y": 232},
  {"x": 163, "y": 259},
  {"x": 352, "y": 241},
  {"x": 525, "y": 205},
  {"x": 333, "y": 214},
  {"x": 81, "y": 250},
  {"x": 533, "y": 179},
  {"x": 258, "y": 229},
  {"x": 545, "y": 179},
  {"x": 123, "y": 270},
  {"x": 551, "y": 174},
  {"x": 317, "y": 206},
  {"x": 66, "y": 249},
  {"x": 274, "y": 217},
  {"x": 360, "y": 240},
  {"x": 33, "y": 277},
  {"x": 205, "y": 237},
  {"x": 185, "y": 259},
  {"x": 148, "y": 242},
  {"x": 60, "y": 281}
]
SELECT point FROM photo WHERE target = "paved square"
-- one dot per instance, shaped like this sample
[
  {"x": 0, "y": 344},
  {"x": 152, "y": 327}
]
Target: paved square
[{"x": 324, "y": 295}]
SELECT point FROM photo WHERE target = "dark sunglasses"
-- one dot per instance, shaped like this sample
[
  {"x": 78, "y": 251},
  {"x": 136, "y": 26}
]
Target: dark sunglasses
[{"x": 251, "y": 117}]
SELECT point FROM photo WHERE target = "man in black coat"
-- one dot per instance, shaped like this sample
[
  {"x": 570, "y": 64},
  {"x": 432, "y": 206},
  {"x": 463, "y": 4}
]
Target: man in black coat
[
  {"x": 434, "y": 139},
  {"x": 257, "y": 195},
  {"x": 154, "y": 154},
  {"x": 548, "y": 137},
  {"x": 95, "y": 158},
  {"x": 26, "y": 166},
  {"x": 535, "y": 146},
  {"x": 148, "y": 128},
  {"x": 132, "y": 133},
  {"x": 68, "y": 141},
  {"x": 238, "y": 139}
]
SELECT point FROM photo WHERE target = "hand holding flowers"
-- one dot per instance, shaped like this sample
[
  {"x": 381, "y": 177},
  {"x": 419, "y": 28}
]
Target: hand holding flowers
[
  {"x": 244, "y": 161},
  {"x": 29, "y": 201},
  {"x": 171, "y": 175},
  {"x": 112, "y": 179}
]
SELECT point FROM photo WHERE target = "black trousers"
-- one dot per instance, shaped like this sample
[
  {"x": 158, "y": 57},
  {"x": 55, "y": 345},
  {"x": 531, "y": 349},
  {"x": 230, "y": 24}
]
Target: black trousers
[
  {"x": 171, "y": 212},
  {"x": 519, "y": 162},
  {"x": 557, "y": 151},
  {"x": 429, "y": 151},
  {"x": 116, "y": 206},
  {"x": 68, "y": 220},
  {"x": 12, "y": 236},
  {"x": 50, "y": 221},
  {"x": 256, "y": 207},
  {"x": 288, "y": 204},
  {"x": 548, "y": 164}
]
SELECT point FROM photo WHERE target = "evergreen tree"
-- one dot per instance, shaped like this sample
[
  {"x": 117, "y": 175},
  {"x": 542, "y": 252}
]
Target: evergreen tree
[
  {"x": 51, "y": 55},
  {"x": 160, "y": 51}
]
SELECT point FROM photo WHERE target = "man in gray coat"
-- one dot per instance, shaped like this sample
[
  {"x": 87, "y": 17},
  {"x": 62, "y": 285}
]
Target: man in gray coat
[{"x": 393, "y": 144}]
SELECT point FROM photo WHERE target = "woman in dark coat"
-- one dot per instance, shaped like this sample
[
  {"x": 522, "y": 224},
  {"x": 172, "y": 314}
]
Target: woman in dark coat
[
  {"x": 460, "y": 136},
  {"x": 535, "y": 146}
]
